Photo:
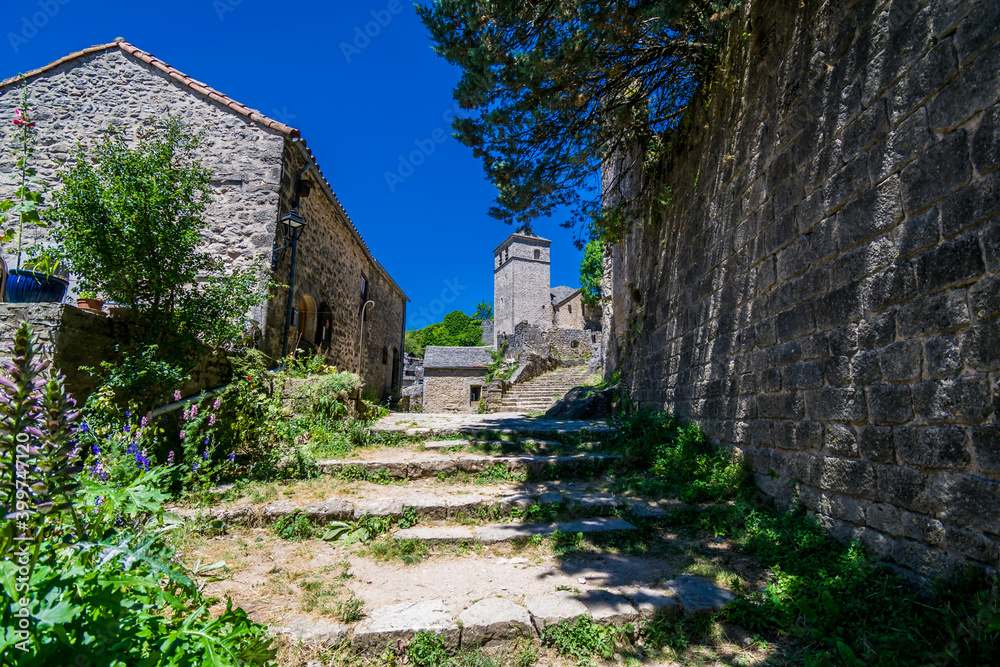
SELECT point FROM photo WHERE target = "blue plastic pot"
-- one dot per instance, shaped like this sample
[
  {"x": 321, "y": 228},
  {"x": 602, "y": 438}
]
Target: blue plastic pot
[{"x": 34, "y": 287}]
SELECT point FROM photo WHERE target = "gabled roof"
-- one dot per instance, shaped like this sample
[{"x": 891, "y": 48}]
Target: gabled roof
[
  {"x": 531, "y": 238},
  {"x": 439, "y": 356},
  {"x": 562, "y": 294},
  {"x": 206, "y": 91}
]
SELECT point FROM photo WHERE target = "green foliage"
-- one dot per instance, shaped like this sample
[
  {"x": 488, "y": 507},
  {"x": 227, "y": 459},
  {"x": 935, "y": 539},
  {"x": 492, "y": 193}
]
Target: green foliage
[
  {"x": 295, "y": 526},
  {"x": 427, "y": 649},
  {"x": 96, "y": 579},
  {"x": 554, "y": 91},
  {"x": 456, "y": 330},
  {"x": 131, "y": 225},
  {"x": 592, "y": 272},
  {"x": 27, "y": 201},
  {"x": 584, "y": 638},
  {"x": 484, "y": 311},
  {"x": 409, "y": 551},
  {"x": 497, "y": 358}
]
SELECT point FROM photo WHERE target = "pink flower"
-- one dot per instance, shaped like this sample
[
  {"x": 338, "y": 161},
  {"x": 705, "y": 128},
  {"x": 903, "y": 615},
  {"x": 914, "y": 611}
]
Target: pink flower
[
  {"x": 21, "y": 120},
  {"x": 194, "y": 410},
  {"x": 182, "y": 435},
  {"x": 211, "y": 420},
  {"x": 170, "y": 456},
  {"x": 218, "y": 402},
  {"x": 186, "y": 415},
  {"x": 177, "y": 395}
]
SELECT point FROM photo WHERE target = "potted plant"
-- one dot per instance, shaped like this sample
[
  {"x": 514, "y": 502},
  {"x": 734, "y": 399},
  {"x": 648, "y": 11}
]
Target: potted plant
[
  {"x": 87, "y": 300},
  {"x": 39, "y": 281}
]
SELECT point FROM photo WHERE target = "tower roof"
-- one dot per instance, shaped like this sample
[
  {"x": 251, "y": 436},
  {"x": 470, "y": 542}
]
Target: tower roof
[{"x": 521, "y": 235}]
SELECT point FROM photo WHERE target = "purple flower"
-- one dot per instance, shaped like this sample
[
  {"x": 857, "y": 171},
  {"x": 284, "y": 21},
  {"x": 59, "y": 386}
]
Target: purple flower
[
  {"x": 205, "y": 441},
  {"x": 217, "y": 404},
  {"x": 128, "y": 414},
  {"x": 170, "y": 457},
  {"x": 84, "y": 428},
  {"x": 194, "y": 466},
  {"x": 94, "y": 449},
  {"x": 194, "y": 411},
  {"x": 177, "y": 394},
  {"x": 232, "y": 455},
  {"x": 183, "y": 435},
  {"x": 204, "y": 454},
  {"x": 143, "y": 422},
  {"x": 211, "y": 420},
  {"x": 127, "y": 428},
  {"x": 185, "y": 415}
]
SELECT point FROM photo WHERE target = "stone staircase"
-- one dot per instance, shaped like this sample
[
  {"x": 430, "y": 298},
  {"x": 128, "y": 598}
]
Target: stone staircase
[
  {"x": 481, "y": 593},
  {"x": 544, "y": 391}
]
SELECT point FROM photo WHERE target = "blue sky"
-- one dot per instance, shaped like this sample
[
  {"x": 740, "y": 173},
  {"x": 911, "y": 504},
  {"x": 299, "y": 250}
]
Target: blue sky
[{"x": 362, "y": 102}]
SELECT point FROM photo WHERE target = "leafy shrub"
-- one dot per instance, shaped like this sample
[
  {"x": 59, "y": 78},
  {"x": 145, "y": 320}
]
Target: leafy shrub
[
  {"x": 101, "y": 585},
  {"x": 427, "y": 650},
  {"x": 295, "y": 526},
  {"x": 584, "y": 638}
]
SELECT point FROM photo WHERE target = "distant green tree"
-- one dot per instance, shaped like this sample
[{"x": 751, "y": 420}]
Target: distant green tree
[
  {"x": 554, "y": 88},
  {"x": 456, "y": 330},
  {"x": 591, "y": 272},
  {"x": 484, "y": 311}
]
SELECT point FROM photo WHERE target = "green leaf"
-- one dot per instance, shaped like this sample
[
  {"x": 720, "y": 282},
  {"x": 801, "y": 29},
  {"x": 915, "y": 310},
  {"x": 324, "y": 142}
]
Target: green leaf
[{"x": 54, "y": 611}]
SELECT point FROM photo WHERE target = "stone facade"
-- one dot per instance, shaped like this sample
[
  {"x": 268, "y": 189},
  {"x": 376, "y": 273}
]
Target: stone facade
[
  {"x": 521, "y": 283},
  {"x": 454, "y": 378},
  {"x": 823, "y": 293},
  {"x": 558, "y": 343},
  {"x": 568, "y": 314},
  {"x": 254, "y": 161}
]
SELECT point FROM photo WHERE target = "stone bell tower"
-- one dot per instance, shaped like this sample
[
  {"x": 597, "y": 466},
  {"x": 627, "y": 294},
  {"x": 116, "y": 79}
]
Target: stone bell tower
[{"x": 521, "y": 283}]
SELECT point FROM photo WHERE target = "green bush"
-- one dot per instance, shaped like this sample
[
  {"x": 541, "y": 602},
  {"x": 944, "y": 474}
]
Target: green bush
[{"x": 427, "y": 650}]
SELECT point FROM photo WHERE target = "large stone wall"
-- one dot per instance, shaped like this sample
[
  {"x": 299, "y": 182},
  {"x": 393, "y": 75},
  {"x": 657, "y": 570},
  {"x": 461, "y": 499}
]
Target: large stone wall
[{"x": 823, "y": 292}]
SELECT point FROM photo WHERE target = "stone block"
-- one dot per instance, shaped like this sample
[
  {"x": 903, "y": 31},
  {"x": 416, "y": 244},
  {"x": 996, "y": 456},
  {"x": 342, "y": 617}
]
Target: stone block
[
  {"x": 902, "y": 361},
  {"x": 312, "y": 632},
  {"x": 804, "y": 375},
  {"x": 971, "y": 205},
  {"x": 892, "y": 285},
  {"x": 876, "y": 443},
  {"x": 956, "y": 262},
  {"x": 876, "y": 211},
  {"x": 986, "y": 446},
  {"x": 278, "y": 509},
  {"x": 973, "y": 544},
  {"x": 877, "y": 331},
  {"x": 699, "y": 596},
  {"x": 606, "y": 608},
  {"x": 879, "y": 545},
  {"x": 928, "y": 75},
  {"x": 985, "y": 299},
  {"x": 925, "y": 561},
  {"x": 986, "y": 142},
  {"x": 890, "y": 403},
  {"x": 962, "y": 400},
  {"x": 943, "y": 168},
  {"x": 871, "y": 125},
  {"x": 978, "y": 29},
  {"x": 902, "y": 145},
  {"x": 554, "y": 608},
  {"x": 847, "y": 476},
  {"x": 493, "y": 622},
  {"x": 919, "y": 232},
  {"x": 903, "y": 486},
  {"x": 845, "y": 404},
  {"x": 933, "y": 446},
  {"x": 781, "y": 406},
  {"x": 938, "y": 313},
  {"x": 944, "y": 356},
  {"x": 922, "y": 528},
  {"x": 391, "y": 626},
  {"x": 865, "y": 368},
  {"x": 981, "y": 346},
  {"x": 650, "y": 602},
  {"x": 332, "y": 509},
  {"x": 841, "y": 440},
  {"x": 966, "y": 500},
  {"x": 840, "y": 306},
  {"x": 837, "y": 370},
  {"x": 885, "y": 518},
  {"x": 976, "y": 87}
]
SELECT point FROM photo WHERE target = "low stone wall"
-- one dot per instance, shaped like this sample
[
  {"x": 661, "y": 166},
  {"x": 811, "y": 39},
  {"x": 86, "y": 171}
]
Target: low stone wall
[
  {"x": 559, "y": 343},
  {"x": 75, "y": 339}
]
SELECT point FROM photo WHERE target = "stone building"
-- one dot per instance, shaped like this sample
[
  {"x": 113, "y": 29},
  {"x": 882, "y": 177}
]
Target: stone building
[
  {"x": 454, "y": 378},
  {"x": 522, "y": 291},
  {"x": 258, "y": 165}
]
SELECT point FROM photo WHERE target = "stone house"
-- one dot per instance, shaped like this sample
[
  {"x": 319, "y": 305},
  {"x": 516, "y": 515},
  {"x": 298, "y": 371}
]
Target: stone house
[
  {"x": 261, "y": 168},
  {"x": 454, "y": 378}
]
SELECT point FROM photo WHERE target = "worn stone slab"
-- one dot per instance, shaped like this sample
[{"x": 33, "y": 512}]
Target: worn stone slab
[
  {"x": 445, "y": 444},
  {"x": 331, "y": 509},
  {"x": 442, "y": 534},
  {"x": 432, "y": 508},
  {"x": 431, "y": 468},
  {"x": 474, "y": 464},
  {"x": 606, "y": 608},
  {"x": 312, "y": 631},
  {"x": 494, "y": 621},
  {"x": 458, "y": 506},
  {"x": 520, "y": 501},
  {"x": 278, "y": 509},
  {"x": 503, "y": 532},
  {"x": 594, "y": 501},
  {"x": 698, "y": 595},
  {"x": 394, "y": 469},
  {"x": 388, "y": 626},
  {"x": 551, "y": 498},
  {"x": 242, "y": 514},
  {"x": 646, "y": 511},
  {"x": 650, "y": 602},
  {"x": 553, "y": 608},
  {"x": 385, "y": 507}
]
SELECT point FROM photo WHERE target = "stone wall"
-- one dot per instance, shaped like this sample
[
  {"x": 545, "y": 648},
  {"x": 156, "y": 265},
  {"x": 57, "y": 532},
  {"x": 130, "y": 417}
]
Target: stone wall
[
  {"x": 568, "y": 315},
  {"x": 75, "y": 339},
  {"x": 448, "y": 389},
  {"x": 823, "y": 293},
  {"x": 558, "y": 343},
  {"x": 330, "y": 265},
  {"x": 487, "y": 326}
]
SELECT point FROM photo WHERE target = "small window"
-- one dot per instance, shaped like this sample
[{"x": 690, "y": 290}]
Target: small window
[
  {"x": 538, "y": 254},
  {"x": 575, "y": 344},
  {"x": 475, "y": 393},
  {"x": 570, "y": 309},
  {"x": 593, "y": 338},
  {"x": 385, "y": 355}
]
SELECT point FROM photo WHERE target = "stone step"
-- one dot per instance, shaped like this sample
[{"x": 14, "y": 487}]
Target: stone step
[
  {"x": 427, "y": 507},
  {"x": 493, "y": 622},
  {"x": 534, "y": 444},
  {"x": 505, "y": 532},
  {"x": 433, "y": 466}
]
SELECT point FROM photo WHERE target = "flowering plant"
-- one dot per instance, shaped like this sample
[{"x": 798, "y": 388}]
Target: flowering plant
[{"x": 26, "y": 201}]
